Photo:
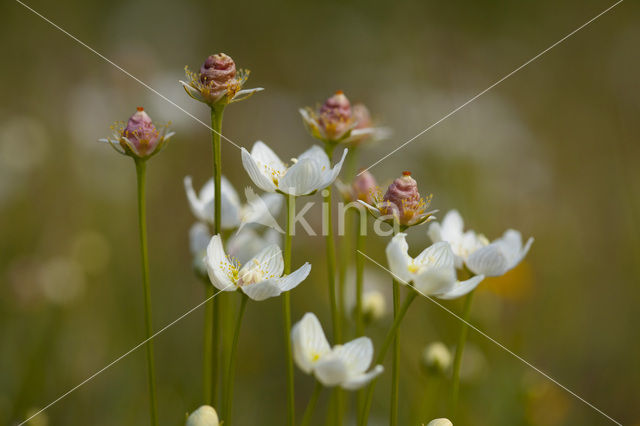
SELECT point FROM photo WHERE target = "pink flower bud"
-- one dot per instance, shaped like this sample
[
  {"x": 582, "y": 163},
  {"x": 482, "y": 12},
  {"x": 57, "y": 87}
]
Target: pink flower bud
[
  {"x": 335, "y": 117},
  {"x": 218, "y": 74},
  {"x": 141, "y": 133},
  {"x": 364, "y": 187},
  {"x": 402, "y": 200},
  {"x": 361, "y": 116}
]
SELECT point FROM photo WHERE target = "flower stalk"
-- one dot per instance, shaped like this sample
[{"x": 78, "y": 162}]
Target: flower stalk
[
  {"x": 141, "y": 168},
  {"x": 228, "y": 410},
  {"x": 391, "y": 334},
  {"x": 395, "y": 378},
  {"x": 286, "y": 310},
  {"x": 457, "y": 360},
  {"x": 308, "y": 412}
]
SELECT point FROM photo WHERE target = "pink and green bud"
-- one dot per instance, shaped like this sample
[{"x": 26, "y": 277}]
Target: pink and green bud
[
  {"x": 402, "y": 201},
  {"x": 335, "y": 117}
]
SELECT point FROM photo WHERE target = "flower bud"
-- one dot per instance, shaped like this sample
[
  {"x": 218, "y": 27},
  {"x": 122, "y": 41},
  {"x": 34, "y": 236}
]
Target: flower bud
[
  {"x": 141, "y": 132},
  {"x": 203, "y": 416},
  {"x": 436, "y": 358},
  {"x": 361, "y": 116},
  {"x": 218, "y": 73},
  {"x": 374, "y": 306},
  {"x": 402, "y": 200},
  {"x": 440, "y": 422},
  {"x": 335, "y": 117},
  {"x": 364, "y": 187}
]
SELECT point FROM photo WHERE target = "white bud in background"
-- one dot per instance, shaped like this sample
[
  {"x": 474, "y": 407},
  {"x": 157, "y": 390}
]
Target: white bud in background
[
  {"x": 440, "y": 422},
  {"x": 374, "y": 305},
  {"x": 203, "y": 416},
  {"x": 436, "y": 358}
]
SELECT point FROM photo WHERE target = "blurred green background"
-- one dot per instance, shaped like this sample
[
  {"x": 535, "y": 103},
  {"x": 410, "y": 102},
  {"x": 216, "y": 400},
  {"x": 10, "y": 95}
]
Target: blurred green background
[{"x": 552, "y": 151}]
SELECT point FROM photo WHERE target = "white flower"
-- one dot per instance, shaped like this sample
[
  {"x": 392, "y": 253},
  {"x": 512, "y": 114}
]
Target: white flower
[
  {"x": 500, "y": 256},
  {"x": 440, "y": 422},
  {"x": 311, "y": 170},
  {"x": 474, "y": 250},
  {"x": 199, "y": 237},
  {"x": 203, "y": 416},
  {"x": 246, "y": 243},
  {"x": 260, "y": 278},
  {"x": 233, "y": 214},
  {"x": 343, "y": 365},
  {"x": 432, "y": 272}
]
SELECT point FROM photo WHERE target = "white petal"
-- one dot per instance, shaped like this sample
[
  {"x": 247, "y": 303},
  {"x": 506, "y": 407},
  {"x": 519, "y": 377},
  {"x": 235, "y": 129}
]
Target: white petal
[
  {"x": 289, "y": 282},
  {"x": 361, "y": 380},
  {"x": 197, "y": 207},
  {"x": 265, "y": 155},
  {"x": 262, "y": 290},
  {"x": 308, "y": 342},
  {"x": 270, "y": 261},
  {"x": 452, "y": 226},
  {"x": 331, "y": 370},
  {"x": 329, "y": 177},
  {"x": 257, "y": 173},
  {"x": 357, "y": 354},
  {"x": 218, "y": 265},
  {"x": 434, "y": 280},
  {"x": 398, "y": 257},
  {"x": 460, "y": 288},
  {"x": 435, "y": 232},
  {"x": 261, "y": 210},
  {"x": 317, "y": 154},
  {"x": 194, "y": 93},
  {"x": 489, "y": 260},
  {"x": 245, "y": 93},
  {"x": 302, "y": 178},
  {"x": 438, "y": 255},
  {"x": 199, "y": 237},
  {"x": 372, "y": 209}
]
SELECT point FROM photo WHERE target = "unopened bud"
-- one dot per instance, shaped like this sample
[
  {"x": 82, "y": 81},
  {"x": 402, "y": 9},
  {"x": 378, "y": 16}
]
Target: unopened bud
[
  {"x": 141, "y": 132},
  {"x": 374, "y": 306},
  {"x": 203, "y": 416},
  {"x": 402, "y": 199},
  {"x": 436, "y": 358},
  {"x": 335, "y": 117},
  {"x": 217, "y": 71},
  {"x": 364, "y": 187}
]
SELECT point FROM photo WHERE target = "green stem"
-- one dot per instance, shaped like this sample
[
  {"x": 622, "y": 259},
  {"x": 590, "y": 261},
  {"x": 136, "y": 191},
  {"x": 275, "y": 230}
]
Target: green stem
[
  {"x": 308, "y": 412},
  {"x": 286, "y": 311},
  {"x": 211, "y": 338},
  {"x": 457, "y": 360},
  {"x": 331, "y": 259},
  {"x": 360, "y": 239},
  {"x": 232, "y": 362},
  {"x": 395, "y": 380},
  {"x": 141, "y": 168},
  {"x": 383, "y": 351}
]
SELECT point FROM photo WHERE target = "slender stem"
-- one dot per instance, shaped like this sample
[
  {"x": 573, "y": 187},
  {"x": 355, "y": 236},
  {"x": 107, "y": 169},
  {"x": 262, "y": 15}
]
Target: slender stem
[
  {"x": 331, "y": 259},
  {"x": 141, "y": 169},
  {"x": 457, "y": 360},
  {"x": 211, "y": 338},
  {"x": 232, "y": 362},
  {"x": 308, "y": 412},
  {"x": 286, "y": 311},
  {"x": 360, "y": 239},
  {"x": 395, "y": 380},
  {"x": 383, "y": 351}
]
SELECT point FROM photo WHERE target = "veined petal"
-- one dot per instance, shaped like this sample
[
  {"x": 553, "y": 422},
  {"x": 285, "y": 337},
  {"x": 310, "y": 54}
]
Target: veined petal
[
  {"x": 452, "y": 226},
  {"x": 398, "y": 257},
  {"x": 331, "y": 370},
  {"x": 199, "y": 238},
  {"x": 256, "y": 173},
  {"x": 218, "y": 266},
  {"x": 489, "y": 260},
  {"x": 245, "y": 93},
  {"x": 308, "y": 342},
  {"x": 460, "y": 288},
  {"x": 302, "y": 178},
  {"x": 270, "y": 262},
  {"x": 265, "y": 155},
  {"x": 318, "y": 154},
  {"x": 434, "y": 280},
  {"x": 289, "y": 282},
  {"x": 361, "y": 380},
  {"x": 197, "y": 206},
  {"x": 329, "y": 177},
  {"x": 438, "y": 255},
  {"x": 262, "y": 290},
  {"x": 357, "y": 354}
]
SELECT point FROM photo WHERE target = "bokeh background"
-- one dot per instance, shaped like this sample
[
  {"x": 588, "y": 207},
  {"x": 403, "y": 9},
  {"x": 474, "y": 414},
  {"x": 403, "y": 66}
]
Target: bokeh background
[{"x": 553, "y": 152}]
